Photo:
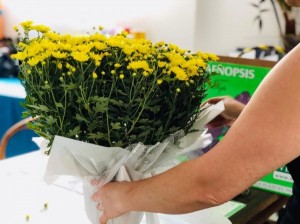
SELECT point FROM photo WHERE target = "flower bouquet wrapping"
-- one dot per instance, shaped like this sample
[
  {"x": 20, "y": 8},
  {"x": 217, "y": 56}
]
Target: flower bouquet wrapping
[{"x": 111, "y": 107}]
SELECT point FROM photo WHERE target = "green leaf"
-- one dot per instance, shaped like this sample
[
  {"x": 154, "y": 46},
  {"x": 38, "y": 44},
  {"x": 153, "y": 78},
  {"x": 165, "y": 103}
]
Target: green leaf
[
  {"x": 46, "y": 87},
  {"x": 68, "y": 86},
  {"x": 79, "y": 100},
  {"x": 119, "y": 103},
  {"x": 144, "y": 133},
  {"x": 39, "y": 107},
  {"x": 97, "y": 135},
  {"x": 118, "y": 144},
  {"x": 59, "y": 105},
  {"x": 159, "y": 131},
  {"x": 145, "y": 121},
  {"x": 101, "y": 107},
  {"x": 80, "y": 118},
  {"x": 74, "y": 132},
  {"x": 154, "y": 109},
  {"x": 87, "y": 106},
  {"x": 115, "y": 126},
  {"x": 133, "y": 138},
  {"x": 50, "y": 120},
  {"x": 33, "y": 99},
  {"x": 101, "y": 99},
  {"x": 26, "y": 114},
  {"x": 173, "y": 129},
  {"x": 93, "y": 126}
]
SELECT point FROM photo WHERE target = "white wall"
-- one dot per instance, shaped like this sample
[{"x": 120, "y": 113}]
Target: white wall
[
  {"x": 168, "y": 20},
  {"x": 222, "y": 26},
  {"x": 217, "y": 26}
]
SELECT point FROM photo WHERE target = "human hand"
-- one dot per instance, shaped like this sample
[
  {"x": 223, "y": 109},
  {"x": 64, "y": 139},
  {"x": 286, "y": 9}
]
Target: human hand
[
  {"x": 233, "y": 108},
  {"x": 111, "y": 201}
]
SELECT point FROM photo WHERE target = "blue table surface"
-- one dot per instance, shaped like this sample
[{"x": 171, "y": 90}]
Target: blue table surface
[{"x": 11, "y": 95}]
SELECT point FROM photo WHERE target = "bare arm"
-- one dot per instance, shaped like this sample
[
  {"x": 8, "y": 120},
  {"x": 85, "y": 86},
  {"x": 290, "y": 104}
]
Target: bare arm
[{"x": 264, "y": 137}]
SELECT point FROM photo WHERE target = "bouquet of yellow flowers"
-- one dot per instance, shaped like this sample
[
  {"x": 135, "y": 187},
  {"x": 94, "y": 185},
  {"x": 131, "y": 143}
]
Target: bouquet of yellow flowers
[
  {"x": 109, "y": 90},
  {"x": 111, "y": 105}
]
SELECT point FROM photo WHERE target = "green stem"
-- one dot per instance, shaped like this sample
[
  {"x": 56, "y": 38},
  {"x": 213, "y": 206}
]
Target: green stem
[
  {"x": 107, "y": 116},
  {"x": 142, "y": 108}
]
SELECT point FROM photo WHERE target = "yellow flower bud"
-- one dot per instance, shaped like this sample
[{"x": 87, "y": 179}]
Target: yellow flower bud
[
  {"x": 117, "y": 65},
  {"x": 94, "y": 75},
  {"x": 59, "y": 65},
  {"x": 16, "y": 28},
  {"x": 122, "y": 76},
  {"x": 178, "y": 90},
  {"x": 159, "y": 81}
]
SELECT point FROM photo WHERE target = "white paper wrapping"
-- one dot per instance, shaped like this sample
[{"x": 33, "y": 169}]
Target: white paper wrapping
[{"x": 88, "y": 161}]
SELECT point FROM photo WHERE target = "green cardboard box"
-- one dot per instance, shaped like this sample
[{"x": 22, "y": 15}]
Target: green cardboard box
[{"x": 239, "y": 78}]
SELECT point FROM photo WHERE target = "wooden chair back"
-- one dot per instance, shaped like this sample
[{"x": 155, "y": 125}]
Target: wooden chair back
[{"x": 21, "y": 125}]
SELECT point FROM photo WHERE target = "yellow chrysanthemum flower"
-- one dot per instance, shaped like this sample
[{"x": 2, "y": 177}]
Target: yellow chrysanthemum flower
[
  {"x": 128, "y": 50},
  {"x": 52, "y": 36},
  {"x": 41, "y": 28},
  {"x": 175, "y": 59},
  {"x": 161, "y": 64},
  {"x": 139, "y": 65},
  {"x": 213, "y": 57},
  {"x": 80, "y": 56},
  {"x": 26, "y": 25},
  {"x": 100, "y": 46},
  {"x": 20, "y": 56},
  {"x": 59, "y": 55},
  {"x": 180, "y": 73},
  {"x": 33, "y": 61}
]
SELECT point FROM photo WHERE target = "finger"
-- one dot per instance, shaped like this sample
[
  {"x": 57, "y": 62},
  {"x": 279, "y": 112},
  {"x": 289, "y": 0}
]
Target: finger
[
  {"x": 95, "y": 197},
  {"x": 103, "y": 219},
  {"x": 212, "y": 100},
  {"x": 95, "y": 182}
]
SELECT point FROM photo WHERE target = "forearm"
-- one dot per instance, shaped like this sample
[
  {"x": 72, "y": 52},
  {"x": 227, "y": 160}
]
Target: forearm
[{"x": 179, "y": 190}]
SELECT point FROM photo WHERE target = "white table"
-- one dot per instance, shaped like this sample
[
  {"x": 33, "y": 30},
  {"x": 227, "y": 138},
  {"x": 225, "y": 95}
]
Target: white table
[{"x": 23, "y": 193}]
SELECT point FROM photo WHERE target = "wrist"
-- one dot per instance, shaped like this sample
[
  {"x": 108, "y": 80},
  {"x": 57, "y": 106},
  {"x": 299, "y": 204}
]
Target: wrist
[{"x": 127, "y": 199}]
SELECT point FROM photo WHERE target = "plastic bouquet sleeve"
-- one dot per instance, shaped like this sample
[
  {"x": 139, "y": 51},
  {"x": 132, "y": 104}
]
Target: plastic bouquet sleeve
[{"x": 137, "y": 161}]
